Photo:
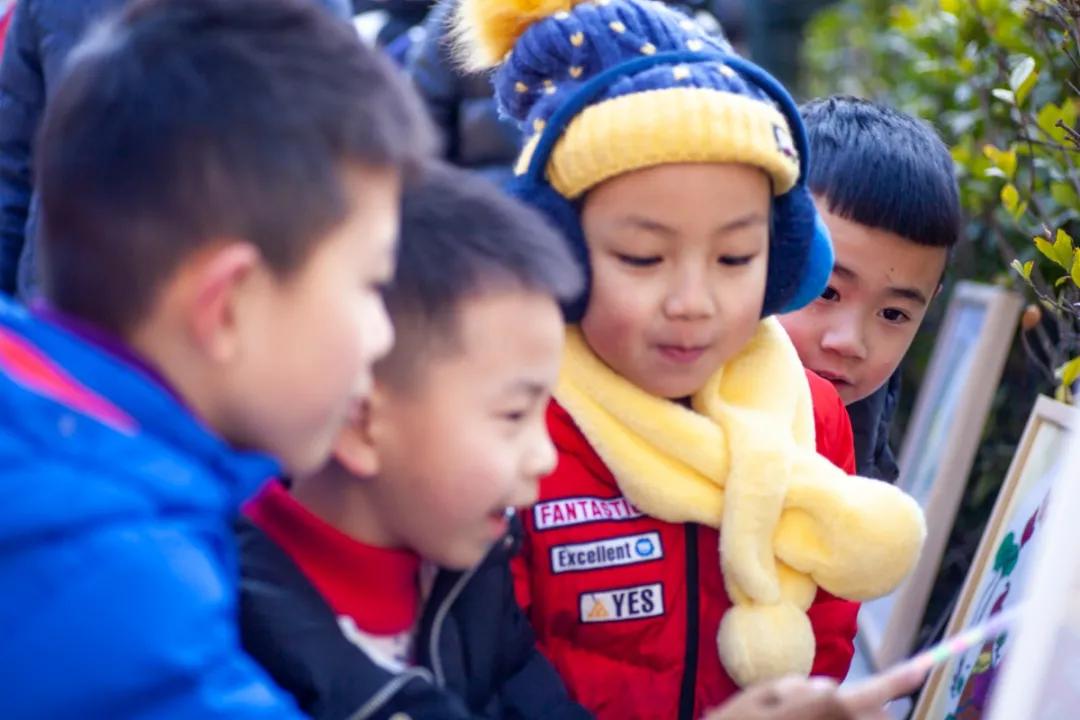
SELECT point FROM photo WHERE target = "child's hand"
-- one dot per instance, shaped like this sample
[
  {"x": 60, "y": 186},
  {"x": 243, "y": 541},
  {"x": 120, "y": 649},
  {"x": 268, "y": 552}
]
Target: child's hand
[
  {"x": 866, "y": 700},
  {"x": 792, "y": 698},
  {"x": 820, "y": 699}
]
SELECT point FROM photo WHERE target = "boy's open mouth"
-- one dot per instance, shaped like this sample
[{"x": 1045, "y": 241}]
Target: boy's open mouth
[{"x": 500, "y": 519}]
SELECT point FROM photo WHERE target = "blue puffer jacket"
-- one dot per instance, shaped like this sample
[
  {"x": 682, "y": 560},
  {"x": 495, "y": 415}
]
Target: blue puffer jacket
[
  {"x": 117, "y": 562},
  {"x": 41, "y": 35}
]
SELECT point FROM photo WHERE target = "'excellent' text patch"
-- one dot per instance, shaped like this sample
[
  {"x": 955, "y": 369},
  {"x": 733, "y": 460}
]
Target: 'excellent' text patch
[{"x": 609, "y": 552}]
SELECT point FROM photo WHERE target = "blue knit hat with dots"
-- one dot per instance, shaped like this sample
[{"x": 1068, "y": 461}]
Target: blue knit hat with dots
[{"x": 607, "y": 87}]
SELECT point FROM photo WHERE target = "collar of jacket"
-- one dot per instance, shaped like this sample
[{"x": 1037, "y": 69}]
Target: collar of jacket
[{"x": 137, "y": 419}]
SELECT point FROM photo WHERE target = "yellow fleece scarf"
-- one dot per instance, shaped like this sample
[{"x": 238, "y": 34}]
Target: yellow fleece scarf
[{"x": 744, "y": 461}]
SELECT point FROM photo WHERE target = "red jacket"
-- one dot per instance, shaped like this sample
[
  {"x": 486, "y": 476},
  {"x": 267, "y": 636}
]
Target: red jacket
[{"x": 628, "y": 607}]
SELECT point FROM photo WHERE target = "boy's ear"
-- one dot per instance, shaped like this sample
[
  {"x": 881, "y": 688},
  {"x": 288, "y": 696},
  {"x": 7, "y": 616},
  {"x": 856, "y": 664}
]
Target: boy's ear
[
  {"x": 355, "y": 449},
  {"x": 220, "y": 281}
]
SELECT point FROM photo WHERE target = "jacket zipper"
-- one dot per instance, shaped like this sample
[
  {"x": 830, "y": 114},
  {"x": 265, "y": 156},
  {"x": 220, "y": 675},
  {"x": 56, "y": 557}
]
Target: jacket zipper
[
  {"x": 444, "y": 610},
  {"x": 690, "y": 661}
]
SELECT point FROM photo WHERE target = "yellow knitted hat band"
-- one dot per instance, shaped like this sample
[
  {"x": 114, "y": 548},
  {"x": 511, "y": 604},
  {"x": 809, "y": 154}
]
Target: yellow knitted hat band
[{"x": 670, "y": 125}]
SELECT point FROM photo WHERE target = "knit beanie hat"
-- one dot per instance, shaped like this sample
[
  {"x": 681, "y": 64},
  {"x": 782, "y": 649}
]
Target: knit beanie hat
[{"x": 605, "y": 87}]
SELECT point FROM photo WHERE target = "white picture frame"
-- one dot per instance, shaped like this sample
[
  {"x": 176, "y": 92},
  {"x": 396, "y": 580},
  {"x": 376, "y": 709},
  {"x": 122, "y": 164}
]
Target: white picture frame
[
  {"x": 1006, "y": 568},
  {"x": 939, "y": 448}
]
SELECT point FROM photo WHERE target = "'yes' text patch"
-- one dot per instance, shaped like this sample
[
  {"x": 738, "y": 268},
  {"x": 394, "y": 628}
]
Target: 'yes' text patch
[{"x": 630, "y": 603}]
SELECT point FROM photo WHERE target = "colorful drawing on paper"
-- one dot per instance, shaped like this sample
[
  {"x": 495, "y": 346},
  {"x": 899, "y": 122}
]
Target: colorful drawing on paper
[{"x": 968, "y": 679}]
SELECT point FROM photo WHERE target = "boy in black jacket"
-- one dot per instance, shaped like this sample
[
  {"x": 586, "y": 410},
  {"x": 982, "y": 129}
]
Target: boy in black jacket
[
  {"x": 885, "y": 185},
  {"x": 408, "y": 533}
]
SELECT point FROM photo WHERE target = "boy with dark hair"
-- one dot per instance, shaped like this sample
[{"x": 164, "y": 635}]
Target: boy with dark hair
[
  {"x": 427, "y": 478},
  {"x": 220, "y": 186},
  {"x": 885, "y": 186}
]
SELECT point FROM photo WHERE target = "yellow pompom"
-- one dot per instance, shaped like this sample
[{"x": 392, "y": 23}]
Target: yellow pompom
[{"x": 488, "y": 29}]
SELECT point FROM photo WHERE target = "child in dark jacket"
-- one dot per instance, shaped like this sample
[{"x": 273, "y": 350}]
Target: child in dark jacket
[
  {"x": 885, "y": 184},
  {"x": 691, "y": 540},
  {"x": 408, "y": 533}
]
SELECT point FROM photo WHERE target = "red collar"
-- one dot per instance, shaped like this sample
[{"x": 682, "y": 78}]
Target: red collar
[
  {"x": 378, "y": 588},
  {"x": 569, "y": 440}
]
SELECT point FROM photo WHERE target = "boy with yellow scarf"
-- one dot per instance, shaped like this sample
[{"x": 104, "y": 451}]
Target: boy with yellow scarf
[{"x": 692, "y": 540}]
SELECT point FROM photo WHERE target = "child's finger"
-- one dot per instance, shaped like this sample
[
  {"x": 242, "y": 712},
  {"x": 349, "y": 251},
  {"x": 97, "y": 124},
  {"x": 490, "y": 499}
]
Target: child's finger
[{"x": 875, "y": 692}]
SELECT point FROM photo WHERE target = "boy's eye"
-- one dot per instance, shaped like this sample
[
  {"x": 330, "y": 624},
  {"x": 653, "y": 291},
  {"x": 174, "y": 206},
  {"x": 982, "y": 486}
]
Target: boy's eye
[
  {"x": 736, "y": 260},
  {"x": 894, "y": 315},
  {"x": 515, "y": 416},
  {"x": 638, "y": 260},
  {"x": 830, "y": 294}
]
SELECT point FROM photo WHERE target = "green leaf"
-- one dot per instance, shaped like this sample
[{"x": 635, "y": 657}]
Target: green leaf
[
  {"x": 1069, "y": 111},
  {"x": 1046, "y": 248},
  {"x": 904, "y": 18},
  {"x": 1075, "y": 272},
  {"x": 1010, "y": 198},
  {"x": 1022, "y": 78},
  {"x": 1007, "y": 555},
  {"x": 1065, "y": 194},
  {"x": 1069, "y": 372},
  {"x": 1063, "y": 249},
  {"x": 1004, "y": 95},
  {"x": 951, "y": 6},
  {"x": 1004, "y": 160},
  {"x": 1024, "y": 269},
  {"x": 1047, "y": 118}
]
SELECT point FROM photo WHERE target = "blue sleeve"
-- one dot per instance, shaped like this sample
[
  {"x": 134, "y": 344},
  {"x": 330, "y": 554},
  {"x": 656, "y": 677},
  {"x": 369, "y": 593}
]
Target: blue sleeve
[
  {"x": 127, "y": 622},
  {"x": 341, "y": 8},
  {"x": 22, "y": 100}
]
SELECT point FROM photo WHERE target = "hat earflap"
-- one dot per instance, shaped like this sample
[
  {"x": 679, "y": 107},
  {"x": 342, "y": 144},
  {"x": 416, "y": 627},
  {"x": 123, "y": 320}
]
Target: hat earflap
[{"x": 794, "y": 218}]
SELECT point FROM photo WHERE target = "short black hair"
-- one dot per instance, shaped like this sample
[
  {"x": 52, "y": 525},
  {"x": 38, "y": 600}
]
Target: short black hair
[
  {"x": 879, "y": 167},
  {"x": 462, "y": 237},
  {"x": 181, "y": 122}
]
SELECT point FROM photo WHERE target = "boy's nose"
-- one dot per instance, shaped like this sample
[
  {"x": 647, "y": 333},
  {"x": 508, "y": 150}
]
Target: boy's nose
[
  {"x": 380, "y": 332},
  {"x": 845, "y": 339},
  {"x": 544, "y": 457},
  {"x": 539, "y": 463}
]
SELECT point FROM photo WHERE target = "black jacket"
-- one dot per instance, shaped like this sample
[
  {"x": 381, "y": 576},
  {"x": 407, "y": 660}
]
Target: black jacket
[
  {"x": 476, "y": 655},
  {"x": 871, "y": 422},
  {"x": 462, "y": 104}
]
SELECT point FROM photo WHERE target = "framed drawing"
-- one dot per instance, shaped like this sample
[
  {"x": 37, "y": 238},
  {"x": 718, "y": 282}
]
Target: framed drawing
[
  {"x": 939, "y": 449},
  {"x": 1040, "y": 679},
  {"x": 1001, "y": 574}
]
